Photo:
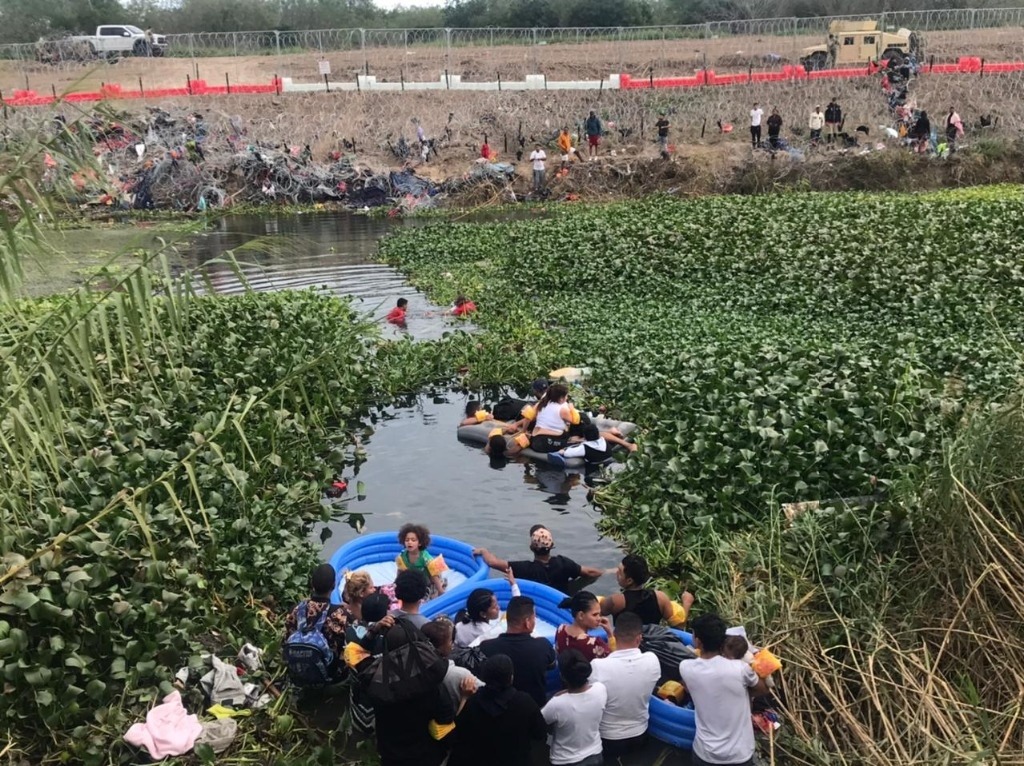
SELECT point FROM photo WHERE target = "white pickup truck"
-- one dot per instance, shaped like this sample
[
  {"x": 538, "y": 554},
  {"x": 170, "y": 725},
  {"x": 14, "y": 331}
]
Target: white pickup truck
[{"x": 122, "y": 40}]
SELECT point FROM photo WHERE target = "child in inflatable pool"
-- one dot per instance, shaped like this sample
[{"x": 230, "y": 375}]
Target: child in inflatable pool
[
  {"x": 416, "y": 538},
  {"x": 480, "y": 618},
  {"x": 475, "y": 413}
]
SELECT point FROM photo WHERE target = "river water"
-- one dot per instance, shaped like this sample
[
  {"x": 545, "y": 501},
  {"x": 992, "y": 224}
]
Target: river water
[{"x": 416, "y": 469}]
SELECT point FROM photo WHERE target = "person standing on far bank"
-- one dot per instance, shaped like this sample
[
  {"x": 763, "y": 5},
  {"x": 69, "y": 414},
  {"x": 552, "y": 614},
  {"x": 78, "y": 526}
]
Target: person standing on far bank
[
  {"x": 755, "y": 125},
  {"x": 594, "y": 130},
  {"x": 662, "y": 125},
  {"x": 538, "y": 157}
]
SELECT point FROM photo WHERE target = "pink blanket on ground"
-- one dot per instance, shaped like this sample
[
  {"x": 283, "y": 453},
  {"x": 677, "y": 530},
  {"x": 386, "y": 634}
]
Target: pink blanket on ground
[{"x": 168, "y": 730}]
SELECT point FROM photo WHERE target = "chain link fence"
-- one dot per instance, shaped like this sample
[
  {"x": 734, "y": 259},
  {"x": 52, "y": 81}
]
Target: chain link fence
[{"x": 490, "y": 54}]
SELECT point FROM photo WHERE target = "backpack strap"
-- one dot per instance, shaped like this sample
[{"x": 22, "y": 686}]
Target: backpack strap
[
  {"x": 301, "y": 613},
  {"x": 303, "y": 618}
]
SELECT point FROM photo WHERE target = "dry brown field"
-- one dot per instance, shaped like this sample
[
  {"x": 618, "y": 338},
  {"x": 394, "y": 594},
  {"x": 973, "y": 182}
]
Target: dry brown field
[{"x": 558, "y": 61}]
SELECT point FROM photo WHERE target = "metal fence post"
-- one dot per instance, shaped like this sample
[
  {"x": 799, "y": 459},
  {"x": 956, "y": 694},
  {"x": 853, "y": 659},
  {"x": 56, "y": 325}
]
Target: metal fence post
[
  {"x": 622, "y": 53},
  {"x": 362, "y": 47},
  {"x": 277, "y": 42},
  {"x": 192, "y": 48},
  {"x": 971, "y": 23},
  {"x": 234, "y": 42},
  {"x": 447, "y": 50},
  {"x": 320, "y": 41},
  {"x": 533, "y": 36}
]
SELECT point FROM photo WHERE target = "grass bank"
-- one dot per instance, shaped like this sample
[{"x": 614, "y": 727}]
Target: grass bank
[{"x": 800, "y": 348}]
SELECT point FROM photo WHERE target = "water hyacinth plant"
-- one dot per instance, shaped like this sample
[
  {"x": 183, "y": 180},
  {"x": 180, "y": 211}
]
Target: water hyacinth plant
[{"x": 781, "y": 349}]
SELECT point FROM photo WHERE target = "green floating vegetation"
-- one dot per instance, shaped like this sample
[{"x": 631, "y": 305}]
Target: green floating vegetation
[{"x": 774, "y": 349}]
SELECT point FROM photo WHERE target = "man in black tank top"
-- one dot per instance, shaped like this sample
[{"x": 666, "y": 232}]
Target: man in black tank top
[
  {"x": 650, "y": 605},
  {"x": 644, "y": 604}
]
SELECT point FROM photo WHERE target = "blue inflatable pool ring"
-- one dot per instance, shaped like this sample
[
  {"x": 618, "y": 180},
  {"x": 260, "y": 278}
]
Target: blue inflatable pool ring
[
  {"x": 376, "y": 553},
  {"x": 668, "y": 723}
]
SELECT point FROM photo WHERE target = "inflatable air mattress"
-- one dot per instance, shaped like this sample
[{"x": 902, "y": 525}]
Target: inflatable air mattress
[
  {"x": 376, "y": 553},
  {"x": 669, "y": 723},
  {"x": 477, "y": 434}
]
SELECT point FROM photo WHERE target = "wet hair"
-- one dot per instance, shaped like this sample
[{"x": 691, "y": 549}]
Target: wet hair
[
  {"x": 322, "y": 579},
  {"x": 580, "y": 601},
  {"x": 402, "y": 303},
  {"x": 421, "y": 532},
  {"x": 591, "y": 432},
  {"x": 459, "y": 300},
  {"x": 556, "y": 392},
  {"x": 539, "y": 386},
  {"x": 709, "y": 629},
  {"x": 375, "y": 607},
  {"x": 635, "y": 568},
  {"x": 628, "y": 626},
  {"x": 734, "y": 647},
  {"x": 497, "y": 445},
  {"x": 410, "y": 586},
  {"x": 574, "y": 668},
  {"x": 355, "y": 584},
  {"x": 472, "y": 407},
  {"x": 535, "y": 527},
  {"x": 496, "y": 672},
  {"x": 519, "y": 608},
  {"x": 477, "y": 604},
  {"x": 438, "y": 631}
]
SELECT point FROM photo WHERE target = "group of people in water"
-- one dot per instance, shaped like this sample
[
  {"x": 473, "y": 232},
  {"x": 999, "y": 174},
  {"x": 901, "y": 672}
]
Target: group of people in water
[
  {"x": 551, "y": 425},
  {"x": 478, "y": 684},
  {"x": 399, "y": 315}
]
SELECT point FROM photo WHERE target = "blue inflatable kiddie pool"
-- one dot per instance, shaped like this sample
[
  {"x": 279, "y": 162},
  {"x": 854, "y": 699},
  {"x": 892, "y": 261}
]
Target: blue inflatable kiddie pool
[{"x": 376, "y": 553}]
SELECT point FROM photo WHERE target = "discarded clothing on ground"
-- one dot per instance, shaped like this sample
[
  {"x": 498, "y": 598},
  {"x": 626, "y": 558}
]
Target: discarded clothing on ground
[
  {"x": 222, "y": 685},
  {"x": 218, "y": 734},
  {"x": 169, "y": 729}
]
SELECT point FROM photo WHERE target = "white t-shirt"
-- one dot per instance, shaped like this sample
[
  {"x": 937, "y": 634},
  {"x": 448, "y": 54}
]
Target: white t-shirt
[
  {"x": 629, "y": 676},
  {"x": 755, "y": 117},
  {"x": 452, "y": 682},
  {"x": 719, "y": 687},
  {"x": 577, "y": 722},
  {"x": 538, "y": 158}
]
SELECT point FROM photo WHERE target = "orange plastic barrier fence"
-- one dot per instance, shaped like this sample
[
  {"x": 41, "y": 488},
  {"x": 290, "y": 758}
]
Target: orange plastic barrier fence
[{"x": 114, "y": 91}]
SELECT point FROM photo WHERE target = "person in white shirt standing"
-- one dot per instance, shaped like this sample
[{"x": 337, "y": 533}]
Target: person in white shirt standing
[
  {"x": 755, "y": 125},
  {"x": 721, "y": 689},
  {"x": 816, "y": 123},
  {"x": 538, "y": 157},
  {"x": 574, "y": 714},
  {"x": 629, "y": 676}
]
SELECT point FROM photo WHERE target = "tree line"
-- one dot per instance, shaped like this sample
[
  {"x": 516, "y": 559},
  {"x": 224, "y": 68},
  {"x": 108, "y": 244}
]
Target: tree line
[{"x": 29, "y": 20}]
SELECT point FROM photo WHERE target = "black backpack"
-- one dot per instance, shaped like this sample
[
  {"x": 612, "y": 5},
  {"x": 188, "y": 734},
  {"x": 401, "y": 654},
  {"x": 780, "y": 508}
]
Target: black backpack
[
  {"x": 468, "y": 657},
  {"x": 508, "y": 408},
  {"x": 408, "y": 667},
  {"x": 666, "y": 646}
]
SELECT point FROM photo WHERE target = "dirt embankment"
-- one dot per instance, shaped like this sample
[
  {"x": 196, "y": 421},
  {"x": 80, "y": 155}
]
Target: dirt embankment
[{"x": 704, "y": 160}]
